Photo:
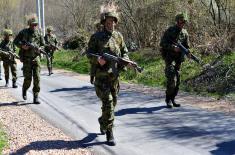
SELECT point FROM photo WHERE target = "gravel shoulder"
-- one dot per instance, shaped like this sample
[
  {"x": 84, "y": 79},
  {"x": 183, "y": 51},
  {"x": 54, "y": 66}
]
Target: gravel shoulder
[{"x": 29, "y": 134}]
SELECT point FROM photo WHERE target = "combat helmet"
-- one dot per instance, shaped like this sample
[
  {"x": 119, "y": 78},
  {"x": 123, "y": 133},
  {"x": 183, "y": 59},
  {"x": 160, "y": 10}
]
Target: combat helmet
[
  {"x": 7, "y": 32},
  {"x": 33, "y": 20},
  {"x": 109, "y": 10},
  {"x": 182, "y": 16},
  {"x": 50, "y": 29},
  {"x": 109, "y": 14}
]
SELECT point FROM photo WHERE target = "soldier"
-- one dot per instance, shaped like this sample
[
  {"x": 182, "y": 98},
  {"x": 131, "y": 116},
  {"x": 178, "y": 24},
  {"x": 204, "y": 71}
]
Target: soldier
[
  {"x": 50, "y": 47},
  {"x": 106, "y": 82},
  {"x": 0, "y": 68},
  {"x": 9, "y": 61},
  {"x": 30, "y": 57},
  {"x": 173, "y": 58}
]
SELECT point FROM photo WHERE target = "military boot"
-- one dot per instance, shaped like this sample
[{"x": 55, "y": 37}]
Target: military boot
[
  {"x": 110, "y": 138},
  {"x": 35, "y": 99},
  {"x": 24, "y": 94},
  {"x": 175, "y": 104},
  {"x": 168, "y": 102},
  {"x": 102, "y": 131},
  {"x": 49, "y": 71},
  {"x": 7, "y": 83},
  {"x": 14, "y": 85}
]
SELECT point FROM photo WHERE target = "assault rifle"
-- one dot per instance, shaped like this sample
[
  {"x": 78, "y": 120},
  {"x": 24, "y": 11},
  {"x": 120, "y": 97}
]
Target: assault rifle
[
  {"x": 118, "y": 60},
  {"x": 52, "y": 47},
  {"x": 12, "y": 54},
  {"x": 186, "y": 51},
  {"x": 37, "y": 49}
]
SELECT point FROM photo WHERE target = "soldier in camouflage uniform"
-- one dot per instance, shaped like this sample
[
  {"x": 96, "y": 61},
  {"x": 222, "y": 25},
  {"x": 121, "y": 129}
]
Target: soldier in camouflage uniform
[
  {"x": 8, "y": 60},
  {"x": 0, "y": 68},
  {"x": 106, "y": 82},
  {"x": 173, "y": 57},
  {"x": 30, "y": 57},
  {"x": 50, "y": 47}
]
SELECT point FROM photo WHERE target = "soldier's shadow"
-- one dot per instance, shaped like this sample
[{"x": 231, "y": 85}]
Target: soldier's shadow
[
  {"x": 59, "y": 144},
  {"x": 144, "y": 110},
  {"x": 16, "y": 103}
]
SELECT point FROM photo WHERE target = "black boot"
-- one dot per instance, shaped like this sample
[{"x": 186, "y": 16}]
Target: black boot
[
  {"x": 110, "y": 138},
  {"x": 35, "y": 99},
  {"x": 175, "y": 104},
  {"x": 24, "y": 94},
  {"x": 7, "y": 83},
  {"x": 49, "y": 71},
  {"x": 168, "y": 102},
  {"x": 14, "y": 85},
  {"x": 102, "y": 131}
]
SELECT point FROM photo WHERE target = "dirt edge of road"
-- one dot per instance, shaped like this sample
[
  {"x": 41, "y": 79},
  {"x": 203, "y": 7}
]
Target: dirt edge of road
[{"x": 29, "y": 134}]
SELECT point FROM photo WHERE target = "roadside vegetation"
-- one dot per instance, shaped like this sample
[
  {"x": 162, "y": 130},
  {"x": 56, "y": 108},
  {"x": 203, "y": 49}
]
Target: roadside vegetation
[
  {"x": 3, "y": 140},
  {"x": 193, "y": 76}
]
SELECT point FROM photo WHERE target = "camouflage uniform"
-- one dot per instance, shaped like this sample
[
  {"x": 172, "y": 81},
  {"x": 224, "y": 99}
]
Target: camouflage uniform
[
  {"x": 30, "y": 58},
  {"x": 173, "y": 59},
  {"x": 50, "y": 39},
  {"x": 106, "y": 82},
  {"x": 9, "y": 61},
  {"x": 0, "y": 68}
]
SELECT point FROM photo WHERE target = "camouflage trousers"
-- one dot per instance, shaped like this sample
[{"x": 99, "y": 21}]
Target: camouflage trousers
[
  {"x": 51, "y": 56},
  {"x": 12, "y": 66},
  {"x": 107, "y": 90},
  {"x": 31, "y": 69},
  {"x": 172, "y": 78}
]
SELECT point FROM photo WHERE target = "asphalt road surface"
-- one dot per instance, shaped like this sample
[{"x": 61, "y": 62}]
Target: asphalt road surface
[{"x": 143, "y": 125}]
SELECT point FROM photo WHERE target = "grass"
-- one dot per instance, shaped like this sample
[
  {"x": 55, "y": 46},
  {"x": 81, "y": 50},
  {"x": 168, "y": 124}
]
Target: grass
[
  {"x": 3, "y": 140},
  {"x": 153, "y": 74}
]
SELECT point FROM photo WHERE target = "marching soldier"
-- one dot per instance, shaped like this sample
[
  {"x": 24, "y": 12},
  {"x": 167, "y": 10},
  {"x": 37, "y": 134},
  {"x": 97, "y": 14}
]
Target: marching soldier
[
  {"x": 9, "y": 59},
  {"x": 50, "y": 47},
  {"x": 106, "y": 82},
  {"x": 30, "y": 56},
  {"x": 173, "y": 58}
]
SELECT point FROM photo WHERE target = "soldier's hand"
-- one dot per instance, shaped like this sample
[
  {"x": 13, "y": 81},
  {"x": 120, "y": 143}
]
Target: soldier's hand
[
  {"x": 176, "y": 49},
  {"x": 189, "y": 55},
  {"x": 25, "y": 47},
  {"x": 101, "y": 61}
]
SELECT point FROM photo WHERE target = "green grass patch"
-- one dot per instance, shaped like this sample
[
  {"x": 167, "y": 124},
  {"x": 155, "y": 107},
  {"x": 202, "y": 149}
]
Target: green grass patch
[
  {"x": 3, "y": 140},
  {"x": 153, "y": 64},
  {"x": 70, "y": 60}
]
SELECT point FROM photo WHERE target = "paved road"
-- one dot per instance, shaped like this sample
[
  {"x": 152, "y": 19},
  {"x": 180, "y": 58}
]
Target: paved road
[{"x": 143, "y": 126}]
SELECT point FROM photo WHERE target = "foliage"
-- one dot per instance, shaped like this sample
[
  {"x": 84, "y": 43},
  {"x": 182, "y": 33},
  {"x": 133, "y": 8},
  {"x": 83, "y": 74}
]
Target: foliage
[{"x": 3, "y": 140}]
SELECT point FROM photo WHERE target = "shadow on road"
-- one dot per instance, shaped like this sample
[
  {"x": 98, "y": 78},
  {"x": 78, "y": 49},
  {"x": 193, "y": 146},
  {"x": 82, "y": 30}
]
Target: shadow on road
[
  {"x": 225, "y": 148},
  {"x": 59, "y": 144},
  {"x": 141, "y": 110},
  {"x": 17, "y": 103},
  {"x": 72, "y": 89}
]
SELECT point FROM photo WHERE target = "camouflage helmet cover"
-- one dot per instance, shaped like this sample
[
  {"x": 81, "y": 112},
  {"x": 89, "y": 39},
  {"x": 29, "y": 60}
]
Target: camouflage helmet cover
[
  {"x": 50, "y": 28},
  {"x": 33, "y": 20},
  {"x": 109, "y": 10},
  {"x": 182, "y": 16},
  {"x": 7, "y": 32},
  {"x": 109, "y": 14}
]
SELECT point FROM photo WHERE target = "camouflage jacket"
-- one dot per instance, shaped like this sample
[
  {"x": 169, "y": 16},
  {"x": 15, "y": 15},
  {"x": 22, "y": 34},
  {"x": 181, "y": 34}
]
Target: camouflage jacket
[
  {"x": 34, "y": 37},
  {"x": 50, "y": 40},
  {"x": 106, "y": 42},
  {"x": 7, "y": 46},
  {"x": 171, "y": 35}
]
